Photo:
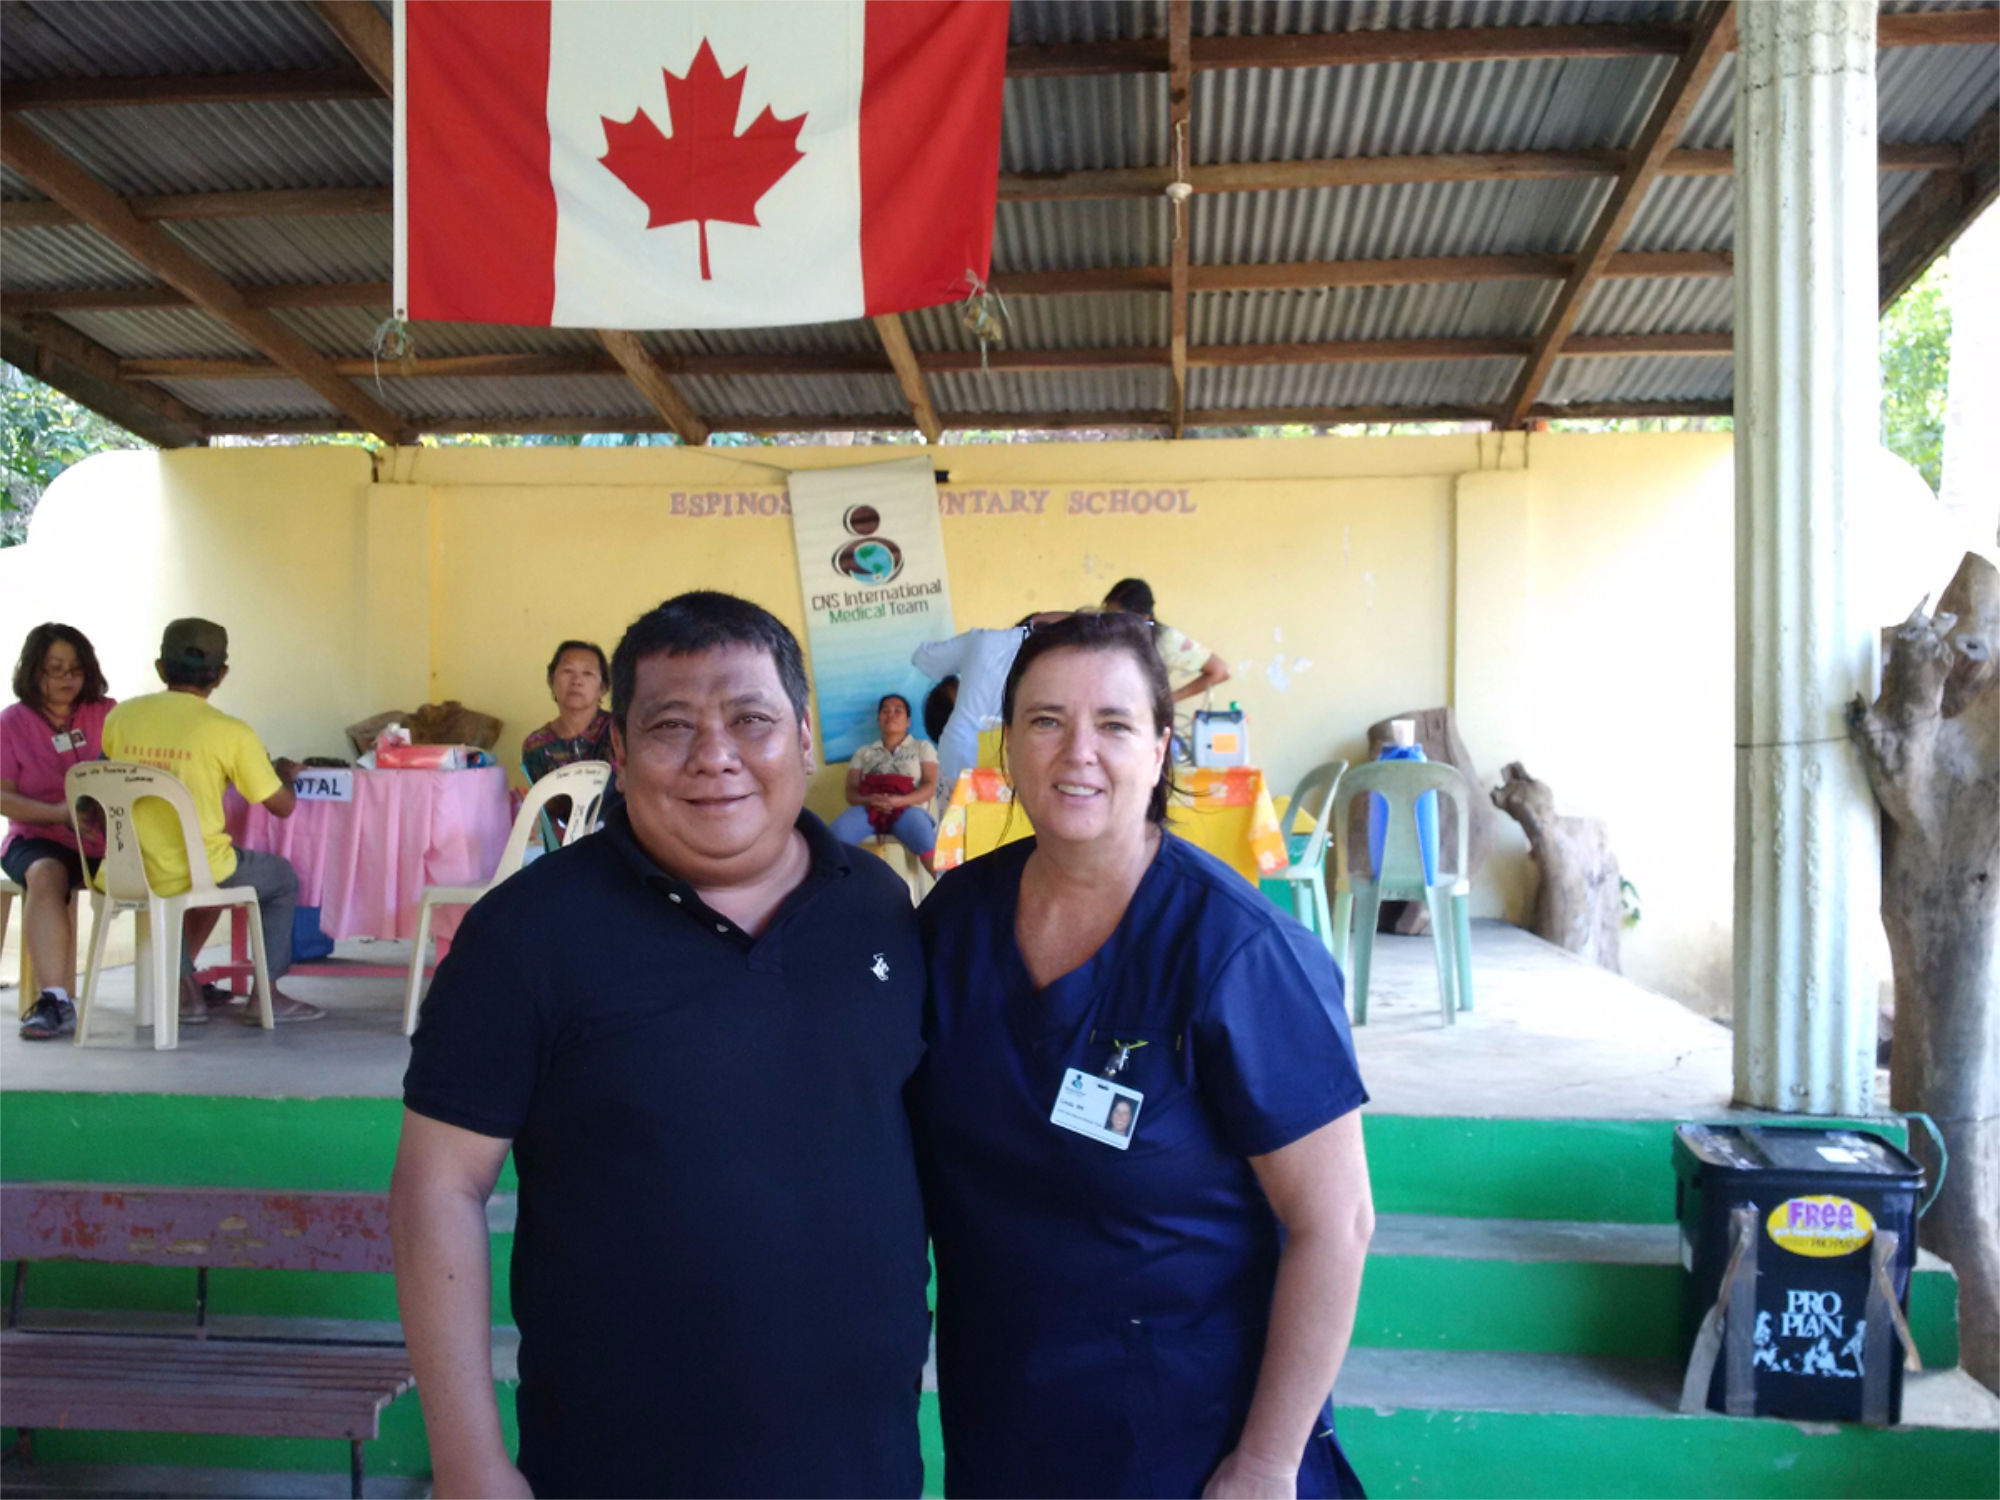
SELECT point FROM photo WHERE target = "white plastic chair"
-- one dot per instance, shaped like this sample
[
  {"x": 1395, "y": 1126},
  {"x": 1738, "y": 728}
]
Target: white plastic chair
[
  {"x": 584, "y": 783},
  {"x": 1357, "y": 900},
  {"x": 1306, "y": 874},
  {"x": 118, "y": 788}
]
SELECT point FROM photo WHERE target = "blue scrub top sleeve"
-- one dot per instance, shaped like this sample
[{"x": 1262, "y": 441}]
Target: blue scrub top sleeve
[{"x": 1272, "y": 1049}]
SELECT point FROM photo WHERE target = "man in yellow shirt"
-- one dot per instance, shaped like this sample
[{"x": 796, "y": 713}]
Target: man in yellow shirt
[{"x": 179, "y": 732}]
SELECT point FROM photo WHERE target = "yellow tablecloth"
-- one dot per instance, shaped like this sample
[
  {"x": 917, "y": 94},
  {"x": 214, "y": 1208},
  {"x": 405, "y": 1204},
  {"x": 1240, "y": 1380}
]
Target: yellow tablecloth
[{"x": 1226, "y": 812}]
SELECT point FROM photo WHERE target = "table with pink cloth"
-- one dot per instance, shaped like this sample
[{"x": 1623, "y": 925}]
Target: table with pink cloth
[{"x": 365, "y": 863}]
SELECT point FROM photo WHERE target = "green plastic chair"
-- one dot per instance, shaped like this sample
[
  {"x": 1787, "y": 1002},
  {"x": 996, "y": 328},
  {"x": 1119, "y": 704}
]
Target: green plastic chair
[
  {"x": 1301, "y": 885},
  {"x": 1357, "y": 901}
]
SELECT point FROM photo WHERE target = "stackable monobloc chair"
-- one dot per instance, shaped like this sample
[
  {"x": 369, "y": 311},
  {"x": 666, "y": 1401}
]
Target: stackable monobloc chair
[
  {"x": 117, "y": 788},
  {"x": 584, "y": 783},
  {"x": 1357, "y": 901},
  {"x": 1303, "y": 880}
]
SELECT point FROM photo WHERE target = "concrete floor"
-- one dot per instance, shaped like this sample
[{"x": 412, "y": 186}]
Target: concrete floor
[{"x": 1549, "y": 1036}]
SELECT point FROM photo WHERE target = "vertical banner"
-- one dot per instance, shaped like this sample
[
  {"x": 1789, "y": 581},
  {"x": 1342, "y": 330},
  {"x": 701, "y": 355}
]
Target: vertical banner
[{"x": 871, "y": 567}]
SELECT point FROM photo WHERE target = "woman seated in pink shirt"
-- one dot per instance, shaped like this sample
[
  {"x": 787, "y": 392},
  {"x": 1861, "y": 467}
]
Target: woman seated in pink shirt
[{"x": 57, "y": 722}]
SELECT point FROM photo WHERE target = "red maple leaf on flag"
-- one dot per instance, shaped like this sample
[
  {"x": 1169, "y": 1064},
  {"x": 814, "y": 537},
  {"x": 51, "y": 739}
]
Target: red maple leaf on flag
[{"x": 705, "y": 171}]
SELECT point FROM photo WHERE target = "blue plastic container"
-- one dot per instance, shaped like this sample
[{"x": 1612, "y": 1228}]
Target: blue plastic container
[{"x": 1427, "y": 815}]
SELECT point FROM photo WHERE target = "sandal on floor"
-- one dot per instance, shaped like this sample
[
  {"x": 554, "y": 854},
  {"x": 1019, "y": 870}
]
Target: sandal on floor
[{"x": 284, "y": 1010}]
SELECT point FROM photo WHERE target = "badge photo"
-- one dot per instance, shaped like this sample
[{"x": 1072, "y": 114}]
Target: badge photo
[{"x": 1100, "y": 1108}]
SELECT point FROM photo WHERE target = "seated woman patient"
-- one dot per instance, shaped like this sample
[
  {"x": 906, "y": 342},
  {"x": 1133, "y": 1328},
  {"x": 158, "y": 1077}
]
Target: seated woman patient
[
  {"x": 1138, "y": 1124},
  {"x": 578, "y": 678},
  {"x": 889, "y": 783},
  {"x": 56, "y": 721}
]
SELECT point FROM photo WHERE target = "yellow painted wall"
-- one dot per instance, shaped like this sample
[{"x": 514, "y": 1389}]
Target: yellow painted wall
[{"x": 1570, "y": 593}]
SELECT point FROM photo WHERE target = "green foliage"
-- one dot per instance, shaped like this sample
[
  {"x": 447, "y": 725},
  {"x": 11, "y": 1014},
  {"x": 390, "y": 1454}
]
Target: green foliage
[
  {"x": 1916, "y": 360},
  {"x": 43, "y": 432}
]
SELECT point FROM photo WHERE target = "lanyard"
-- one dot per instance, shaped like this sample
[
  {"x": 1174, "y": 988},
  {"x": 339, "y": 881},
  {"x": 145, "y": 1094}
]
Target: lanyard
[{"x": 1122, "y": 1056}]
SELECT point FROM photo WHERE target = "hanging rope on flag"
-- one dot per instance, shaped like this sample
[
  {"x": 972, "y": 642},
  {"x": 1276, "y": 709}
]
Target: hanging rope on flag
[
  {"x": 984, "y": 313},
  {"x": 393, "y": 341}
]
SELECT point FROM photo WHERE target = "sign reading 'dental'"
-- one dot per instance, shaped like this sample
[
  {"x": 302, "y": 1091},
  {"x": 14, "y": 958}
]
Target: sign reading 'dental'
[
  {"x": 314, "y": 784},
  {"x": 871, "y": 566}
]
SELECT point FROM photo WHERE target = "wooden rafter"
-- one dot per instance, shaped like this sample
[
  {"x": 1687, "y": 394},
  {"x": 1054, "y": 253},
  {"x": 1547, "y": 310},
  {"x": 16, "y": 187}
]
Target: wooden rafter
[
  {"x": 86, "y": 371},
  {"x": 947, "y": 361},
  {"x": 903, "y": 360},
  {"x": 119, "y": 299},
  {"x": 1180, "y": 93},
  {"x": 1941, "y": 28},
  {"x": 630, "y": 351},
  {"x": 278, "y": 203},
  {"x": 1370, "y": 171},
  {"x": 1714, "y": 29},
  {"x": 1924, "y": 228},
  {"x": 33, "y": 157},
  {"x": 364, "y": 31}
]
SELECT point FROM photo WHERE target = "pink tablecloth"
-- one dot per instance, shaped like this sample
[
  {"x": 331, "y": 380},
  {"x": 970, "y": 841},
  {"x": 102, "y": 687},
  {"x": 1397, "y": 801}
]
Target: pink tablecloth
[{"x": 365, "y": 863}]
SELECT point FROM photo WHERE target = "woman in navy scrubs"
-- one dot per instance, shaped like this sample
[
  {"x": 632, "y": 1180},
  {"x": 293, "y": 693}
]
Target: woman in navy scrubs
[{"x": 1139, "y": 1128}]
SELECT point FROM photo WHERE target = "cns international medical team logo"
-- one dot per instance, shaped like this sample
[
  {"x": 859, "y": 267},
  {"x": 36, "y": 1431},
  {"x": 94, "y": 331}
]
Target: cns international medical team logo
[{"x": 868, "y": 558}]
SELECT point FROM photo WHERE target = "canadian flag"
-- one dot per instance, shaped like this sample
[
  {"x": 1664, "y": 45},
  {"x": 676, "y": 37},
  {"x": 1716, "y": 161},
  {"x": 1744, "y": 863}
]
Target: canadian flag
[{"x": 693, "y": 163}]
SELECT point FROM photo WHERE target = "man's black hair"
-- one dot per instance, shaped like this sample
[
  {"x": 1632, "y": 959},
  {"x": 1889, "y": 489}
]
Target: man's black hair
[
  {"x": 180, "y": 675},
  {"x": 704, "y": 620},
  {"x": 937, "y": 708}
]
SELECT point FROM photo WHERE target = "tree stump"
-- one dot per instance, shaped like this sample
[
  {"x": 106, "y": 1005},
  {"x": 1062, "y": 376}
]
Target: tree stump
[
  {"x": 1577, "y": 904},
  {"x": 1931, "y": 745},
  {"x": 1437, "y": 732}
]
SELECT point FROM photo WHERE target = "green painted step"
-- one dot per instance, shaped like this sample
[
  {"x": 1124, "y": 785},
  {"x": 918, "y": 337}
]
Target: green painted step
[
  {"x": 1617, "y": 1170},
  {"x": 1553, "y": 1287},
  {"x": 1423, "y": 1423}
]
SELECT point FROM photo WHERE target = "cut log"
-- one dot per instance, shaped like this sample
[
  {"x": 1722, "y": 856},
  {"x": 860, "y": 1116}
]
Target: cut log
[
  {"x": 1931, "y": 745},
  {"x": 1577, "y": 904}
]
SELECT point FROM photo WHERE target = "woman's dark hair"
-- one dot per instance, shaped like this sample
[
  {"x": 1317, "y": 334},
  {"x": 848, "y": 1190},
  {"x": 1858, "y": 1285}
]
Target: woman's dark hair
[
  {"x": 1133, "y": 595},
  {"x": 888, "y": 698},
  {"x": 35, "y": 651},
  {"x": 603, "y": 666},
  {"x": 938, "y": 704},
  {"x": 704, "y": 620},
  {"x": 1105, "y": 632}
]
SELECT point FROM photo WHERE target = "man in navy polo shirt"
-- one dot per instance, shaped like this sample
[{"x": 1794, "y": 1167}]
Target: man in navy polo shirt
[{"x": 693, "y": 1030}]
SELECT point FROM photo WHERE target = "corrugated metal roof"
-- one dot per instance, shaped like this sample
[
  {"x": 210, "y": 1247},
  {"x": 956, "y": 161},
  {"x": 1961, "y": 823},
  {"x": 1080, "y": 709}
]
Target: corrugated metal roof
[
  {"x": 1051, "y": 124},
  {"x": 241, "y": 400},
  {"x": 1694, "y": 304},
  {"x": 206, "y": 148},
  {"x": 142, "y": 38},
  {"x": 1497, "y": 309},
  {"x": 1410, "y": 109},
  {"x": 1456, "y": 382},
  {"x": 1394, "y": 219},
  {"x": 65, "y": 255},
  {"x": 1107, "y": 320},
  {"x": 1053, "y": 390},
  {"x": 162, "y": 333},
  {"x": 1678, "y": 379}
]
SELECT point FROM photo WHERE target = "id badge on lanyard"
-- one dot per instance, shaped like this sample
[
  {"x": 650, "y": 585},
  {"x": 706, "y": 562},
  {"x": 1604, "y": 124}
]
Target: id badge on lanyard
[{"x": 1100, "y": 1105}]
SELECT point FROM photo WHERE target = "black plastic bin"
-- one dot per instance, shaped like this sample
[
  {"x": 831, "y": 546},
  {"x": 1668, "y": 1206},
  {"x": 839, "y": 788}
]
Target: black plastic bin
[{"x": 1806, "y": 1328}]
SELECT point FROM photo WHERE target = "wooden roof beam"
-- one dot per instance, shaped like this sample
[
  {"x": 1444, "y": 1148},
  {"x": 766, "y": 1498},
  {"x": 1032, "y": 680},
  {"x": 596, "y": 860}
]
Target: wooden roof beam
[
  {"x": 366, "y": 33},
  {"x": 632, "y": 355},
  {"x": 903, "y": 360},
  {"x": 33, "y": 157},
  {"x": 1180, "y": 93},
  {"x": 87, "y": 373},
  {"x": 1939, "y": 211},
  {"x": 1940, "y": 28},
  {"x": 120, "y": 299},
  {"x": 38, "y": 213},
  {"x": 1369, "y": 171},
  {"x": 1714, "y": 29}
]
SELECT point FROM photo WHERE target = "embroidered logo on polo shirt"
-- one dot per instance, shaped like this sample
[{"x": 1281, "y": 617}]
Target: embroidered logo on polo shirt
[{"x": 880, "y": 968}]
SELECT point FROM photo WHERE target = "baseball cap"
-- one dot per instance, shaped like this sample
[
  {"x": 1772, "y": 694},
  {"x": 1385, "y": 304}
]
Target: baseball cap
[{"x": 194, "y": 643}]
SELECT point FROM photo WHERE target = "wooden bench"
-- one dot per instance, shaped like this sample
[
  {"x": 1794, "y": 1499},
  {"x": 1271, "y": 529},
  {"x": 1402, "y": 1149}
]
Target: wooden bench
[{"x": 193, "y": 1379}]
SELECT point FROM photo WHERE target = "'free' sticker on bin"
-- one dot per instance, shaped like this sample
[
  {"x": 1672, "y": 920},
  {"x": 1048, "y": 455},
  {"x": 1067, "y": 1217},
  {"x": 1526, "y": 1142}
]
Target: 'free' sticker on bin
[{"x": 1822, "y": 1227}]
